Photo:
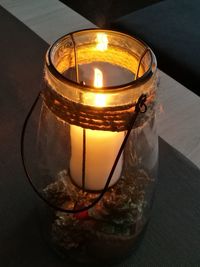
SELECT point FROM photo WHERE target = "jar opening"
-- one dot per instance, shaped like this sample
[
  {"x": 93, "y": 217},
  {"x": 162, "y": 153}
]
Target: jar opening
[{"x": 123, "y": 60}]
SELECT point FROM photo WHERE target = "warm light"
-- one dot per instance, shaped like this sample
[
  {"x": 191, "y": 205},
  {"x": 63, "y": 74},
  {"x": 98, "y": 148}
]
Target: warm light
[
  {"x": 101, "y": 148},
  {"x": 100, "y": 99},
  {"x": 102, "y": 41},
  {"x": 98, "y": 78}
]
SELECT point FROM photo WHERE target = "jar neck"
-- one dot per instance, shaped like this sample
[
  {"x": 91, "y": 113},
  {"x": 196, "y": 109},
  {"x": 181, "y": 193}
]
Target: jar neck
[
  {"x": 76, "y": 99},
  {"x": 76, "y": 49}
]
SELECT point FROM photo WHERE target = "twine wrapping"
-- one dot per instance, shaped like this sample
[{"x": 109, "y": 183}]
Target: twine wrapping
[{"x": 115, "y": 118}]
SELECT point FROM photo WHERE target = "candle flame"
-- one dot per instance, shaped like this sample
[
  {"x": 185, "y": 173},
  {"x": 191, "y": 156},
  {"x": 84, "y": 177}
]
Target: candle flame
[
  {"x": 100, "y": 99},
  {"x": 98, "y": 78},
  {"x": 102, "y": 41}
]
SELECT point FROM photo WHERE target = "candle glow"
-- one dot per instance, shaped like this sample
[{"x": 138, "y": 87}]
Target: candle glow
[
  {"x": 102, "y": 41},
  {"x": 100, "y": 99},
  {"x": 101, "y": 149}
]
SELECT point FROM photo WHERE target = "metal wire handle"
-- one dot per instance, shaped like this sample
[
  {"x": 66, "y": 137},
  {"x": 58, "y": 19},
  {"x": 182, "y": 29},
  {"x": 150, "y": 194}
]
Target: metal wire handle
[{"x": 140, "y": 107}]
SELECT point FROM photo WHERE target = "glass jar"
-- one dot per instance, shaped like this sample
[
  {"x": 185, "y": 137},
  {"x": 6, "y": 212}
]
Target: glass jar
[{"x": 92, "y": 147}]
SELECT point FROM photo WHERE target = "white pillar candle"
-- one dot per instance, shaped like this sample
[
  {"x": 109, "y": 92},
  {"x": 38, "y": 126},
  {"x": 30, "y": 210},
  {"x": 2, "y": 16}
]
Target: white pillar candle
[{"x": 101, "y": 149}]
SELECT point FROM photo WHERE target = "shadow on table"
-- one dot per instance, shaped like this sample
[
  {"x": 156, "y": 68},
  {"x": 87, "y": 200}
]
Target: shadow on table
[{"x": 24, "y": 246}]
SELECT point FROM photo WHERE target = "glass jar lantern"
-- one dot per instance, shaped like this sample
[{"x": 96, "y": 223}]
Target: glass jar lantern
[{"x": 91, "y": 149}]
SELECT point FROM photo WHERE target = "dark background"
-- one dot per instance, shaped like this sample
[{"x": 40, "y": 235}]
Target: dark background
[{"x": 102, "y": 12}]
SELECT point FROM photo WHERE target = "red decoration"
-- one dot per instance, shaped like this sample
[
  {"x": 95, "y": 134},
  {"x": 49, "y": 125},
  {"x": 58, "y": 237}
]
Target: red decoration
[{"x": 81, "y": 215}]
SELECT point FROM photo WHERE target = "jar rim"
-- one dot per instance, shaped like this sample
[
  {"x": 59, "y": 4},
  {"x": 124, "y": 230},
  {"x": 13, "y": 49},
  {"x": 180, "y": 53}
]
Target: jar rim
[{"x": 139, "y": 81}]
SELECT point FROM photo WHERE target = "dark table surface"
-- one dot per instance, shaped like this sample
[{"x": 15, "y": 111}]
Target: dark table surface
[{"x": 173, "y": 234}]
